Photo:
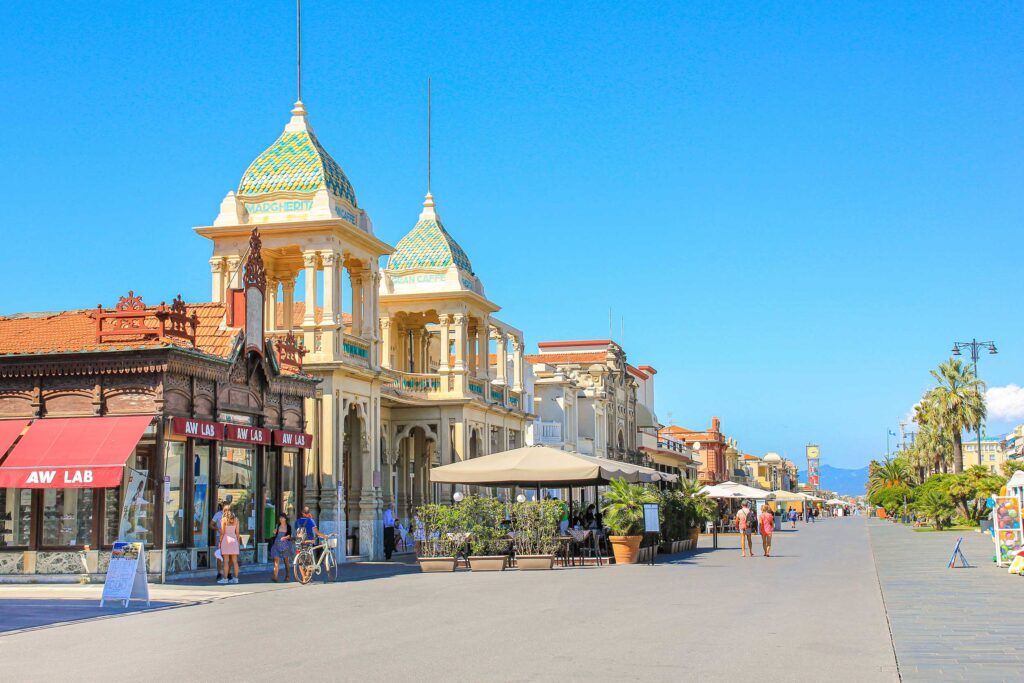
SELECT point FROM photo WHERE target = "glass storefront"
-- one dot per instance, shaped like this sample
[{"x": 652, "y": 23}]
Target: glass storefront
[
  {"x": 270, "y": 501},
  {"x": 174, "y": 510},
  {"x": 290, "y": 483},
  {"x": 201, "y": 494},
  {"x": 15, "y": 517},
  {"x": 236, "y": 479},
  {"x": 67, "y": 517},
  {"x": 130, "y": 510}
]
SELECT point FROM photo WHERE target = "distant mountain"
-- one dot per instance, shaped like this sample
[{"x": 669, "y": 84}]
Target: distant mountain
[{"x": 843, "y": 482}]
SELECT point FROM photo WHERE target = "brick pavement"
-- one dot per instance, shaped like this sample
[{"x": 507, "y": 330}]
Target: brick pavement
[{"x": 948, "y": 624}]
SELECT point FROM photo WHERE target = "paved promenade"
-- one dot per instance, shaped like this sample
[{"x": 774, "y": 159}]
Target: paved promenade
[
  {"x": 948, "y": 624},
  {"x": 814, "y": 612}
]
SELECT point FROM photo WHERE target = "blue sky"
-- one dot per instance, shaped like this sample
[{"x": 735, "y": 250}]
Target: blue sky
[{"x": 795, "y": 207}]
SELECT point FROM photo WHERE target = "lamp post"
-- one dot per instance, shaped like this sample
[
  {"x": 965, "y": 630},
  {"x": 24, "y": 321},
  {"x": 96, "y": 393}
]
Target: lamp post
[{"x": 975, "y": 346}]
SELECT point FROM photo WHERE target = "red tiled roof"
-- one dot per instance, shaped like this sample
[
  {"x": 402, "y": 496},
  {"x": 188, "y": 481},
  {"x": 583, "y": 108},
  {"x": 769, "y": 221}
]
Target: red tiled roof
[
  {"x": 578, "y": 342},
  {"x": 637, "y": 372},
  {"x": 575, "y": 357},
  {"x": 75, "y": 332}
]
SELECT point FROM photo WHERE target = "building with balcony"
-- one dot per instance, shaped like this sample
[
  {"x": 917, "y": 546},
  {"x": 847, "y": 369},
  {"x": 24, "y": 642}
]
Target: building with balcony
[
  {"x": 585, "y": 399},
  {"x": 403, "y": 354},
  {"x": 709, "y": 445}
]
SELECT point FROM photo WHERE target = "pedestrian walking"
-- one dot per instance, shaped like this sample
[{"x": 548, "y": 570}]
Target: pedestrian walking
[
  {"x": 215, "y": 525},
  {"x": 389, "y": 531},
  {"x": 767, "y": 519},
  {"x": 281, "y": 547},
  {"x": 745, "y": 522},
  {"x": 792, "y": 517},
  {"x": 229, "y": 543}
]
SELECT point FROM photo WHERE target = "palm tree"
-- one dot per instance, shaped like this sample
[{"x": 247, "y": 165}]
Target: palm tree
[
  {"x": 624, "y": 512},
  {"x": 892, "y": 472},
  {"x": 932, "y": 441},
  {"x": 937, "y": 506},
  {"x": 959, "y": 403}
]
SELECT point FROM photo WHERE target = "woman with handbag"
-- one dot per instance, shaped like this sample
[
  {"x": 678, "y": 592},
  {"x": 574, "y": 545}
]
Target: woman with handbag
[
  {"x": 281, "y": 547},
  {"x": 229, "y": 545}
]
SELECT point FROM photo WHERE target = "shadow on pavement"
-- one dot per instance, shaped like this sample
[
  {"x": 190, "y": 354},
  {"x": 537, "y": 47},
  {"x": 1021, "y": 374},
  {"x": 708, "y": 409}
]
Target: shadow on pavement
[{"x": 21, "y": 615}]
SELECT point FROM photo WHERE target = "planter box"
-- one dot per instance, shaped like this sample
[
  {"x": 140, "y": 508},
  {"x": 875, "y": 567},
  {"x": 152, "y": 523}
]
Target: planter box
[
  {"x": 625, "y": 549},
  {"x": 488, "y": 563},
  {"x": 530, "y": 562},
  {"x": 436, "y": 564}
]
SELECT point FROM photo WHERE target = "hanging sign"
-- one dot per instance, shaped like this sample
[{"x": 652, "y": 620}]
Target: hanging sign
[
  {"x": 126, "y": 575},
  {"x": 197, "y": 429},
  {"x": 247, "y": 434},
  {"x": 292, "y": 439}
]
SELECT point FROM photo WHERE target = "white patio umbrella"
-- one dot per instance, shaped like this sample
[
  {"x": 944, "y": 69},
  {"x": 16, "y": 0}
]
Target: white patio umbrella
[
  {"x": 788, "y": 496},
  {"x": 731, "y": 489}
]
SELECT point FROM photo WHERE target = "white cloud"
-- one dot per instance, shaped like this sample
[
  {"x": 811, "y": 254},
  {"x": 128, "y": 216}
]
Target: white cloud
[{"x": 1005, "y": 404}]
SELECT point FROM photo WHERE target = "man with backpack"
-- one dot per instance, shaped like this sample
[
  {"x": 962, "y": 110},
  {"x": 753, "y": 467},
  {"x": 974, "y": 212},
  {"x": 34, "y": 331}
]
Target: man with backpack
[{"x": 746, "y": 523}]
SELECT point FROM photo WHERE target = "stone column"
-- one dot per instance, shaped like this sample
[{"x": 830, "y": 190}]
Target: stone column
[
  {"x": 356, "y": 282},
  {"x": 271, "y": 315},
  {"x": 460, "y": 342},
  {"x": 331, "y": 313},
  {"x": 502, "y": 353},
  {"x": 288, "y": 287},
  {"x": 385, "y": 342},
  {"x": 483, "y": 358},
  {"x": 234, "y": 272},
  {"x": 444, "y": 320},
  {"x": 310, "y": 262},
  {"x": 217, "y": 279},
  {"x": 517, "y": 364},
  {"x": 471, "y": 354},
  {"x": 417, "y": 350}
]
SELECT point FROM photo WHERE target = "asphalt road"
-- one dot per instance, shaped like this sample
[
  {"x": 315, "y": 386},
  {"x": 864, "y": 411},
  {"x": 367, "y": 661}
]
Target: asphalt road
[{"x": 811, "y": 613}]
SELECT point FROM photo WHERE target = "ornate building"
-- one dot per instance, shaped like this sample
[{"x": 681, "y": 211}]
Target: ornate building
[{"x": 408, "y": 377}]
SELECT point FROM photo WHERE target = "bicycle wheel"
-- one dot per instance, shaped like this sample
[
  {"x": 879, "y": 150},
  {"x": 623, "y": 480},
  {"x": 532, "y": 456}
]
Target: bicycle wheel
[
  {"x": 304, "y": 567},
  {"x": 330, "y": 567}
]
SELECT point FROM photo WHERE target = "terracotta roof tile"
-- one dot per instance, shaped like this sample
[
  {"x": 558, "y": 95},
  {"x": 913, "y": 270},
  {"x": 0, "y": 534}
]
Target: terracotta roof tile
[
  {"x": 577, "y": 357},
  {"x": 75, "y": 332}
]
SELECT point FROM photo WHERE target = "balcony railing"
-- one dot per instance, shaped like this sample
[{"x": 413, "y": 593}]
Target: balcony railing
[
  {"x": 547, "y": 432},
  {"x": 354, "y": 347},
  {"x": 476, "y": 387},
  {"x": 414, "y": 383}
]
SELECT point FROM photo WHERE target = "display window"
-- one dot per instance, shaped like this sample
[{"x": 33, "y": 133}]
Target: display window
[
  {"x": 174, "y": 505},
  {"x": 271, "y": 491},
  {"x": 15, "y": 518},
  {"x": 290, "y": 480},
  {"x": 201, "y": 493},
  {"x": 67, "y": 517},
  {"x": 236, "y": 478},
  {"x": 129, "y": 511}
]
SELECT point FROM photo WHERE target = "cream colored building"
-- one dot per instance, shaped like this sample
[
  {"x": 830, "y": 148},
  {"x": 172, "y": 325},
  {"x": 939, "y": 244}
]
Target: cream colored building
[{"x": 403, "y": 352}]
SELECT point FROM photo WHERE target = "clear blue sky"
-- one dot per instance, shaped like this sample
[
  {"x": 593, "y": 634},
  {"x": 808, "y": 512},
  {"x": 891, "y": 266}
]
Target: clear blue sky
[{"x": 796, "y": 207}]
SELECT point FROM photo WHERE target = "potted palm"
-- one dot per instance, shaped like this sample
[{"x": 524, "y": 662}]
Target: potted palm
[
  {"x": 674, "y": 510},
  {"x": 437, "y": 551},
  {"x": 624, "y": 515},
  {"x": 699, "y": 508},
  {"x": 535, "y": 533}
]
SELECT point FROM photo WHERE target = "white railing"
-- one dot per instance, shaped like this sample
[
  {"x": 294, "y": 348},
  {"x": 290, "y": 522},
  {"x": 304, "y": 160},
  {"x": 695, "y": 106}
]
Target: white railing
[{"x": 547, "y": 432}]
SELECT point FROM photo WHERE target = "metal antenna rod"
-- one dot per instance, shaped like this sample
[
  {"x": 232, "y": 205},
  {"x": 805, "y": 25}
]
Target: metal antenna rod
[
  {"x": 298, "y": 44},
  {"x": 428, "y": 134}
]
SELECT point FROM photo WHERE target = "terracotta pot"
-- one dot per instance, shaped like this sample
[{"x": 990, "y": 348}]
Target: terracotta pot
[
  {"x": 626, "y": 549},
  {"x": 529, "y": 562},
  {"x": 436, "y": 564},
  {"x": 488, "y": 563},
  {"x": 694, "y": 536}
]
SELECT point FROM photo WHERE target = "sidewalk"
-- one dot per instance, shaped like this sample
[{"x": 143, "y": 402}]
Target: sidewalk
[{"x": 948, "y": 624}]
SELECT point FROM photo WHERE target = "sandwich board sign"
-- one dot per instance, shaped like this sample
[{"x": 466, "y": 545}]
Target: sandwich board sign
[
  {"x": 126, "y": 576},
  {"x": 651, "y": 523}
]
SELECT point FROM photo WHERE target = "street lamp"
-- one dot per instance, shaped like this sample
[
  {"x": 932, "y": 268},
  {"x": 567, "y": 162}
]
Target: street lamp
[{"x": 975, "y": 346}]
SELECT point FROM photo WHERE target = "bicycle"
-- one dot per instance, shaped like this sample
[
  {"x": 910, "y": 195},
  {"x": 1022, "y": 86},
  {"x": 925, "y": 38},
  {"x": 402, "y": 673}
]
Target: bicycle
[{"x": 306, "y": 564}]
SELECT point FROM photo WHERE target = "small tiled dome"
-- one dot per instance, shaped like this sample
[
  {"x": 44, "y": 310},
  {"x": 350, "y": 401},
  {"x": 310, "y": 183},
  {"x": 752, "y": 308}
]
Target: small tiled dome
[
  {"x": 296, "y": 162},
  {"x": 428, "y": 245}
]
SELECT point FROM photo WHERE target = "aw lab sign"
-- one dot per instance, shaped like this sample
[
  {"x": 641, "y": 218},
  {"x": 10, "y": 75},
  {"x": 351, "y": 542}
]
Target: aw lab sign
[{"x": 64, "y": 477}]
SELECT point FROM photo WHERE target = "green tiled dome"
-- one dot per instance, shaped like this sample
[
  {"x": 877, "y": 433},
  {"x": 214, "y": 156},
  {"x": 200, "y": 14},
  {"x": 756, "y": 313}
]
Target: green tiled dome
[
  {"x": 296, "y": 162},
  {"x": 428, "y": 245}
]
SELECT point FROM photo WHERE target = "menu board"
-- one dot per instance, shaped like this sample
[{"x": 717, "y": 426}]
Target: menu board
[
  {"x": 126, "y": 576},
  {"x": 1007, "y": 528}
]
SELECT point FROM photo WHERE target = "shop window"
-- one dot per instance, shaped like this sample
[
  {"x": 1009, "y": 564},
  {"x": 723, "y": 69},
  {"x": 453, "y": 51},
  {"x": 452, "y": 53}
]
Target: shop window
[
  {"x": 290, "y": 483},
  {"x": 15, "y": 517},
  {"x": 174, "y": 510},
  {"x": 269, "y": 472},
  {"x": 236, "y": 480},
  {"x": 201, "y": 494},
  {"x": 129, "y": 510},
  {"x": 67, "y": 517}
]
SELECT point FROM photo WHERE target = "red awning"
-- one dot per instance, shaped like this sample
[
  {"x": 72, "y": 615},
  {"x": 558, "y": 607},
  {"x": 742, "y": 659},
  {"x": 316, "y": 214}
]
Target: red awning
[
  {"x": 73, "y": 452},
  {"x": 9, "y": 431}
]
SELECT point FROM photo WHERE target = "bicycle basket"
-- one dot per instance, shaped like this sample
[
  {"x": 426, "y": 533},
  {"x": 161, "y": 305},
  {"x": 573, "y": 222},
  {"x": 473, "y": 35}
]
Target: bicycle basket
[{"x": 332, "y": 542}]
